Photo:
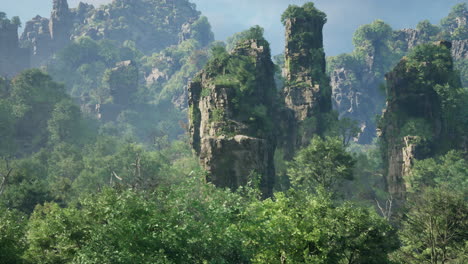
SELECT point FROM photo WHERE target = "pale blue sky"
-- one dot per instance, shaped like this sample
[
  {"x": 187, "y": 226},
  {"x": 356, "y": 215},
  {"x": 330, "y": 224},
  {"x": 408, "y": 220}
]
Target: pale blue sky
[{"x": 230, "y": 16}]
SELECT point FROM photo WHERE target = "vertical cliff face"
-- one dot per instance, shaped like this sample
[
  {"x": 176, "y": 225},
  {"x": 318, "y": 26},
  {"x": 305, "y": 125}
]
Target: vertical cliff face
[
  {"x": 152, "y": 24},
  {"x": 417, "y": 122},
  {"x": 61, "y": 23},
  {"x": 12, "y": 58},
  {"x": 45, "y": 36},
  {"x": 231, "y": 112},
  {"x": 36, "y": 36},
  {"x": 356, "y": 95},
  {"x": 307, "y": 92}
]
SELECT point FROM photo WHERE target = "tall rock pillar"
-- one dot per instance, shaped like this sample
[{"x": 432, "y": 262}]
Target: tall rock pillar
[
  {"x": 417, "y": 122},
  {"x": 231, "y": 116},
  {"x": 307, "y": 92}
]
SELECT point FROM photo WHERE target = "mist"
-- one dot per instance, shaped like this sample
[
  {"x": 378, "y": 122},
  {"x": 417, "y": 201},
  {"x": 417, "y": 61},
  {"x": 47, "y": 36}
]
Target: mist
[{"x": 230, "y": 16}]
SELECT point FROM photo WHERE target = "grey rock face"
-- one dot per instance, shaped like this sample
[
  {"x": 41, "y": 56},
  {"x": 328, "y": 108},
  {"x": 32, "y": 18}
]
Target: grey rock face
[
  {"x": 460, "y": 49},
  {"x": 307, "y": 93},
  {"x": 225, "y": 143},
  {"x": 37, "y": 37},
  {"x": 302, "y": 95},
  {"x": 13, "y": 59},
  {"x": 411, "y": 103}
]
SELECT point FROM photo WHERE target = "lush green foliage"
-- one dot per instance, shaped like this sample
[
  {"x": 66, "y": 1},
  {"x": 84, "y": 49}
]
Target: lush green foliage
[
  {"x": 152, "y": 24},
  {"x": 435, "y": 228},
  {"x": 311, "y": 229},
  {"x": 306, "y": 12},
  {"x": 127, "y": 189},
  {"x": 323, "y": 164},
  {"x": 12, "y": 229},
  {"x": 255, "y": 33},
  {"x": 4, "y": 21},
  {"x": 243, "y": 74},
  {"x": 194, "y": 222},
  {"x": 451, "y": 22},
  {"x": 449, "y": 171}
]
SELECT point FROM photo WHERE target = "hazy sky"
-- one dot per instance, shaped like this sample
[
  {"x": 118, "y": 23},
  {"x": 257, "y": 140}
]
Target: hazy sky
[{"x": 230, "y": 16}]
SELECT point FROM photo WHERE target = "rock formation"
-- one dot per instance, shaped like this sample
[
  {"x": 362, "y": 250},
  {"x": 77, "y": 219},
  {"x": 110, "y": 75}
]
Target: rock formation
[
  {"x": 415, "y": 123},
  {"x": 152, "y": 24},
  {"x": 122, "y": 84},
  {"x": 36, "y": 36},
  {"x": 12, "y": 58},
  {"x": 60, "y": 24},
  {"x": 460, "y": 49},
  {"x": 307, "y": 92},
  {"x": 356, "y": 95},
  {"x": 231, "y": 112},
  {"x": 356, "y": 82},
  {"x": 45, "y": 36}
]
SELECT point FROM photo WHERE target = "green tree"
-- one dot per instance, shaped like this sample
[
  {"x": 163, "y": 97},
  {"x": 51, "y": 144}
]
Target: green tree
[
  {"x": 12, "y": 231},
  {"x": 33, "y": 97},
  {"x": 255, "y": 32},
  {"x": 374, "y": 40},
  {"x": 449, "y": 171},
  {"x": 65, "y": 123},
  {"x": 201, "y": 31},
  {"x": 322, "y": 164},
  {"x": 434, "y": 229},
  {"x": 427, "y": 30},
  {"x": 26, "y": 185},
  {"x": 451, "y": 23},
  {"x": 7, "y": 128},
  {"x": 55, "y": 234},
  {"x": 307, "y": 11},
  {"x": 303, "y": 228}
]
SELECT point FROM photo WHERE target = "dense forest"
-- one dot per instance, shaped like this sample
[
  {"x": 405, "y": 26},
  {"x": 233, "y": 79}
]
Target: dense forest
[{"x": 129, "y": 135}]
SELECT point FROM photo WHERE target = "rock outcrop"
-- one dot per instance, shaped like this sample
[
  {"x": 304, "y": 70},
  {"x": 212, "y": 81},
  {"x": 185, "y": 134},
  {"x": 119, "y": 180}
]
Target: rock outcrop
[
  {"x": 356, "y": 82},
  {"x": 356, "y": 95},
  {"x": 36, "y": 36},
  {"x": 231, "y": 112},
  {"x": 12, "y": 58},
  {"x": 152, "y": 24},
  {"x": 122, "y": 83},
  {"x": 307, "y": 92},
  {"x": 45, "y": 36},
  {"x": 460, "y": 49},
  {"x": 415, "y": 122}
]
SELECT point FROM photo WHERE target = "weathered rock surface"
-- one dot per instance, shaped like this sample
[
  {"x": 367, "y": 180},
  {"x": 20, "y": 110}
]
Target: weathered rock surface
[
  {"x": 408, "y": 38},
  {"x": 303, "y": 94},
  {"x": 230, "y": 145},
  {"x": 37, "y": 37},
  {"x": 413, "y": 123},
  {"x": 307, "y": 93},
  {"x": 12, "y": 58},
  {"x": 45, "y": 36},
  {"x": 152, "y": 24},
  {"x": 356, "y": 96},
  {"x": 460, "y": 49}
]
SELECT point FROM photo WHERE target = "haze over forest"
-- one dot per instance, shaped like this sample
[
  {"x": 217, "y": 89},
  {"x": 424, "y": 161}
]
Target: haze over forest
[{"x": 230, "y": 16}]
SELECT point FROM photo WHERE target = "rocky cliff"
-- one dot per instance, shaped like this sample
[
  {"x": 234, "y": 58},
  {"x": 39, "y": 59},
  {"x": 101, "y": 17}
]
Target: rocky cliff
[
  {"x": 12, "y": 58},
  {"x": 45, "y": 36},
  {"x": 307, "y": 93},
  {"x": 356, "y": 78},
  {"x": 231, "y": 106},
  {"x": 356, "y": 95},
  {"x": 417, "y": 122},
  {"x": 151, "y": 24}
]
